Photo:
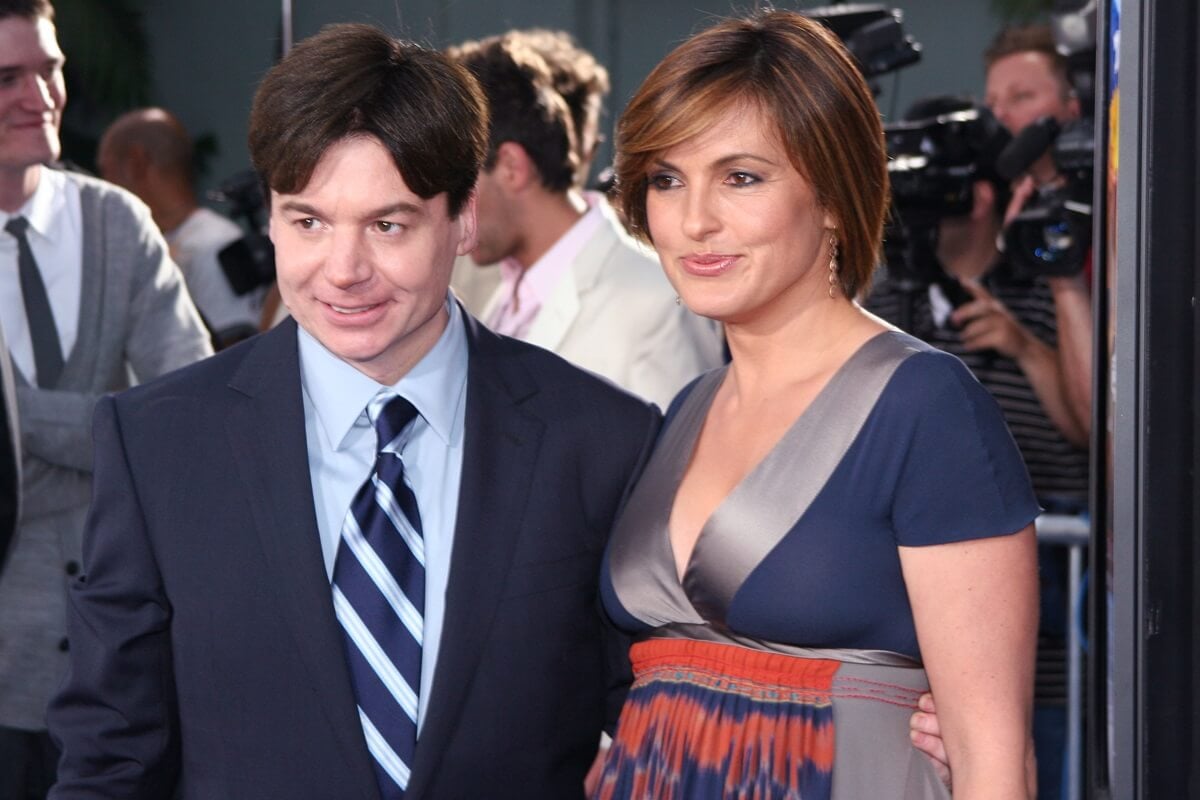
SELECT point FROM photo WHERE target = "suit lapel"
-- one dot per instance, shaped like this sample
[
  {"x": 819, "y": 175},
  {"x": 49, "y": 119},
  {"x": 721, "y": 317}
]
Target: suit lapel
[
  {"x": 266, "y": 431},
  {"x": 566, "y": 299},
  {"x": 501, "y": 444}
]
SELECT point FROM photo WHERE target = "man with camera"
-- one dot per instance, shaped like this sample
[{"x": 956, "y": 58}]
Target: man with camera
[
  {"x": 993, "y": 287},
  {"x": 964, "y": 296},
  {"x": 1027, "y": 81},
  {"x": 149, "y": 152}
]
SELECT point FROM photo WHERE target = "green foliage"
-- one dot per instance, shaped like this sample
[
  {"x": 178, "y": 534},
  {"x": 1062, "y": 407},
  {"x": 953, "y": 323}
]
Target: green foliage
[
  {"x": 108, "y": 69},
  {"x": 108, "y": 57}
]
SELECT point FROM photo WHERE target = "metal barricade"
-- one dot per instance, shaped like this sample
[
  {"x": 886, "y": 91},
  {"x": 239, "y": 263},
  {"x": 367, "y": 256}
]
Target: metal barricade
[{"x": 1074, "y": 533}]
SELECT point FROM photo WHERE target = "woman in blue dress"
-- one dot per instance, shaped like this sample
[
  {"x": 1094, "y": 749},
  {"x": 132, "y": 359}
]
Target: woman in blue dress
[{"x": 839, "y": 519}]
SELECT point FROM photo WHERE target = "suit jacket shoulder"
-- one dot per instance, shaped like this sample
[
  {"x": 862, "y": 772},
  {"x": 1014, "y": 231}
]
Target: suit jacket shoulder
[{"x": 616, "y": 314}]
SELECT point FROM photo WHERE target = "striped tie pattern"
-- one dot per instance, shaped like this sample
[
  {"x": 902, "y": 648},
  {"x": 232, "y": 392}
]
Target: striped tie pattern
[{"x": 379, "y": 599}]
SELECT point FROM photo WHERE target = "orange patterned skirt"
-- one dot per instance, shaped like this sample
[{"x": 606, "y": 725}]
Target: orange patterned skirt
[{"x": 710, "y": 720}]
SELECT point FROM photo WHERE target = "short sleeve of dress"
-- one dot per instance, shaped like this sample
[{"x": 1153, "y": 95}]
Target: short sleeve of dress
[{"x": 961, "y": 476}]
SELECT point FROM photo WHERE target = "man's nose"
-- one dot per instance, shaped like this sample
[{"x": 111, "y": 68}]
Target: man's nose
[
  {"x": 346, "y": 263},
  {"x": 39, "y": 93}
]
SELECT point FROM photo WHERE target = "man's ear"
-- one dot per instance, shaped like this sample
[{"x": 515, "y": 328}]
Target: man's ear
[
  {"x": 468, "y": 232},
  {"x": 514, "y": 168}
]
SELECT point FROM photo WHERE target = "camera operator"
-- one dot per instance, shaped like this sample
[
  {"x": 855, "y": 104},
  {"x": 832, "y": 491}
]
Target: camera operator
[
  {"x": 965, "y": 297},
  {"x": 148, "y": 152},
  {"x": 1004, "y": 327},
  {"x": 1027, "y": 80}
]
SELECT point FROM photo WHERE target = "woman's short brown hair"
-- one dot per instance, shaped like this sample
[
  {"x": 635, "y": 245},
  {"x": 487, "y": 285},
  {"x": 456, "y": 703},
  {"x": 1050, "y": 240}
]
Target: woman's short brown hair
[
  {"x": 355, "y": 80},
  {"x": 798, "y": 73}
]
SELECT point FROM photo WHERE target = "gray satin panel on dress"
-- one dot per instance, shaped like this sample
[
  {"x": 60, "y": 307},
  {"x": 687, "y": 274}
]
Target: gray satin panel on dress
[
  {"x": 872, "y": 754},
  {"x": 768, "y": 502},
  {"x": 760, "y": 510},
  {"x": 641, "y": 562}
]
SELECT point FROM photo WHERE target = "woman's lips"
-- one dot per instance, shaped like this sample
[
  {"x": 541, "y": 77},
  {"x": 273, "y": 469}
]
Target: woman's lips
[{"x": 708, "y": 264}]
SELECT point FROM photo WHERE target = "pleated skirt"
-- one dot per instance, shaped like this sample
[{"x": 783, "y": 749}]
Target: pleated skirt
[{"x": 714, "y": 720}]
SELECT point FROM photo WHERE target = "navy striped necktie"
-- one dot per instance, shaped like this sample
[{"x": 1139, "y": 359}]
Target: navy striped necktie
[{"x": 379, "y": 598}]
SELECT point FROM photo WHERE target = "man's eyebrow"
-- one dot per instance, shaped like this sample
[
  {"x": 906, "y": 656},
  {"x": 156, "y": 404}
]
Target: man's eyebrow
[
  {"x": 402, "y": 207},
  {"x": 297, "y": 206}
]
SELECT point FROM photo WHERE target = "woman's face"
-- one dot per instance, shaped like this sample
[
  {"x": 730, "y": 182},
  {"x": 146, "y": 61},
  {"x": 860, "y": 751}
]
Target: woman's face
[{"x": 738, "y": 230}]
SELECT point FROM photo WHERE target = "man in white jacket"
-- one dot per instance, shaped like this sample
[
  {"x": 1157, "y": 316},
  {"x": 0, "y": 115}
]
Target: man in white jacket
[{"x": 571, "y": 279}]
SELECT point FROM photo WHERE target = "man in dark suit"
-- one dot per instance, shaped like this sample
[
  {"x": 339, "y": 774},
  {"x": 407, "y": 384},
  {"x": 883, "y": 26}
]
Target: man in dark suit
[{"x": 295, "y": 590}]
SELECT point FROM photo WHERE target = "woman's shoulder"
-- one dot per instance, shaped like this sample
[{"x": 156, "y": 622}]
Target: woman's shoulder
[{"x": 923, "y": 371}]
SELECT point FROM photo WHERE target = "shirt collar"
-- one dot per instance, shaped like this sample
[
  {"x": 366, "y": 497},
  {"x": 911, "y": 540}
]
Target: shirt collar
[
  {"x": 339, "y": 393},
  {"x": 543, "y": 275},
  {"x": 44, "y": 208}
]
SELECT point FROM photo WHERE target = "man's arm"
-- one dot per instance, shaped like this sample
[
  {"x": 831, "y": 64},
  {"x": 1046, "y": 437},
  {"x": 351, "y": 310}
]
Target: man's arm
[
  {"x": 1073, "y": 312},
  {"x": 985, "y": 323},
  {"x": 115, "y": 715},
  {"x": 163, "y": 332},
  {"x": 1073, "y": 319}
]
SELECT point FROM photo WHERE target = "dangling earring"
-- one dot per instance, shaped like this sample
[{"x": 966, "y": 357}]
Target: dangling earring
[{"x": 833, "y": 263}]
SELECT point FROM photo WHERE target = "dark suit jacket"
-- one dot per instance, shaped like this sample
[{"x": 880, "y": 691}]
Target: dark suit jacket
[{"x": 204, "y": 645}]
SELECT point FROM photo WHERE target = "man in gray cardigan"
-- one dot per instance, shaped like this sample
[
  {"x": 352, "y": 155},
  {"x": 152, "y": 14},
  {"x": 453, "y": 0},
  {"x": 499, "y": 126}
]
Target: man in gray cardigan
[{"x": 88, "y": 295}]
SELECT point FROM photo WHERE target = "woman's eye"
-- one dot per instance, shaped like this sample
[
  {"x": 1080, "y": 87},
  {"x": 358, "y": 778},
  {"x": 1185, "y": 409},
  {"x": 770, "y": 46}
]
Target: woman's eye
[
  {"x": 662, "y": 181},
  {"x": 742, "y": 178}
]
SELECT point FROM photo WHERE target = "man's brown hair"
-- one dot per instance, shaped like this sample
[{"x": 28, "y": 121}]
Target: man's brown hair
[
  {"x": 524, "y": 106},
  {"x": 797, "y": 73},
  {"x": 26, "y": 9},
  {"x": 580, "y": 79},
  {"x": 1016, "y": 39},
  {"x": 355, "y": 80}
]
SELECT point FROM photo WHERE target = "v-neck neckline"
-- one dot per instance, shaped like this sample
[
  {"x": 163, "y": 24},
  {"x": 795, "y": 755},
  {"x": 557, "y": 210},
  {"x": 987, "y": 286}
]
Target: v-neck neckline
[{"x": 746, "y": 479}]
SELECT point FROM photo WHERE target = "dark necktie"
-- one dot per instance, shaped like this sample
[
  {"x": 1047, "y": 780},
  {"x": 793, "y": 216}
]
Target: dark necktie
[
  {"x": 47, "y": 352},
  {"x": 379, "y": 598}
]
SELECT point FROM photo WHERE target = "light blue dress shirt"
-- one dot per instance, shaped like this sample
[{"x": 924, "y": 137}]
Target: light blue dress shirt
[{"x": 341, "y": 455}]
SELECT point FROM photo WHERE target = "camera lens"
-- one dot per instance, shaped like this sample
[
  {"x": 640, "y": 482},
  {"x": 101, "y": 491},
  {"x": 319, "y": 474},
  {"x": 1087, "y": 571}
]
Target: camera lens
[{"x": 1049, "y": 240}]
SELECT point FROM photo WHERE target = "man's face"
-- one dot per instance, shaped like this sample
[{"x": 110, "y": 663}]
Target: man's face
[
  {"x": 32, "y": 93},
  {"x": 1023, "y": 87},
  {"x": 363, "y": 263},
  {"x": 499, "y": 234}
]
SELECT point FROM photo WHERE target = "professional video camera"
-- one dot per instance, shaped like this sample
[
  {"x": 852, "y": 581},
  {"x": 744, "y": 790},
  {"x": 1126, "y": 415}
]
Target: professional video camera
[
  {"x": 249, "y": 262},
  {"x": 933, "y": 164},
  {"x": 873, "y": 34},
  {"x": 1053, "y": 232}
]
